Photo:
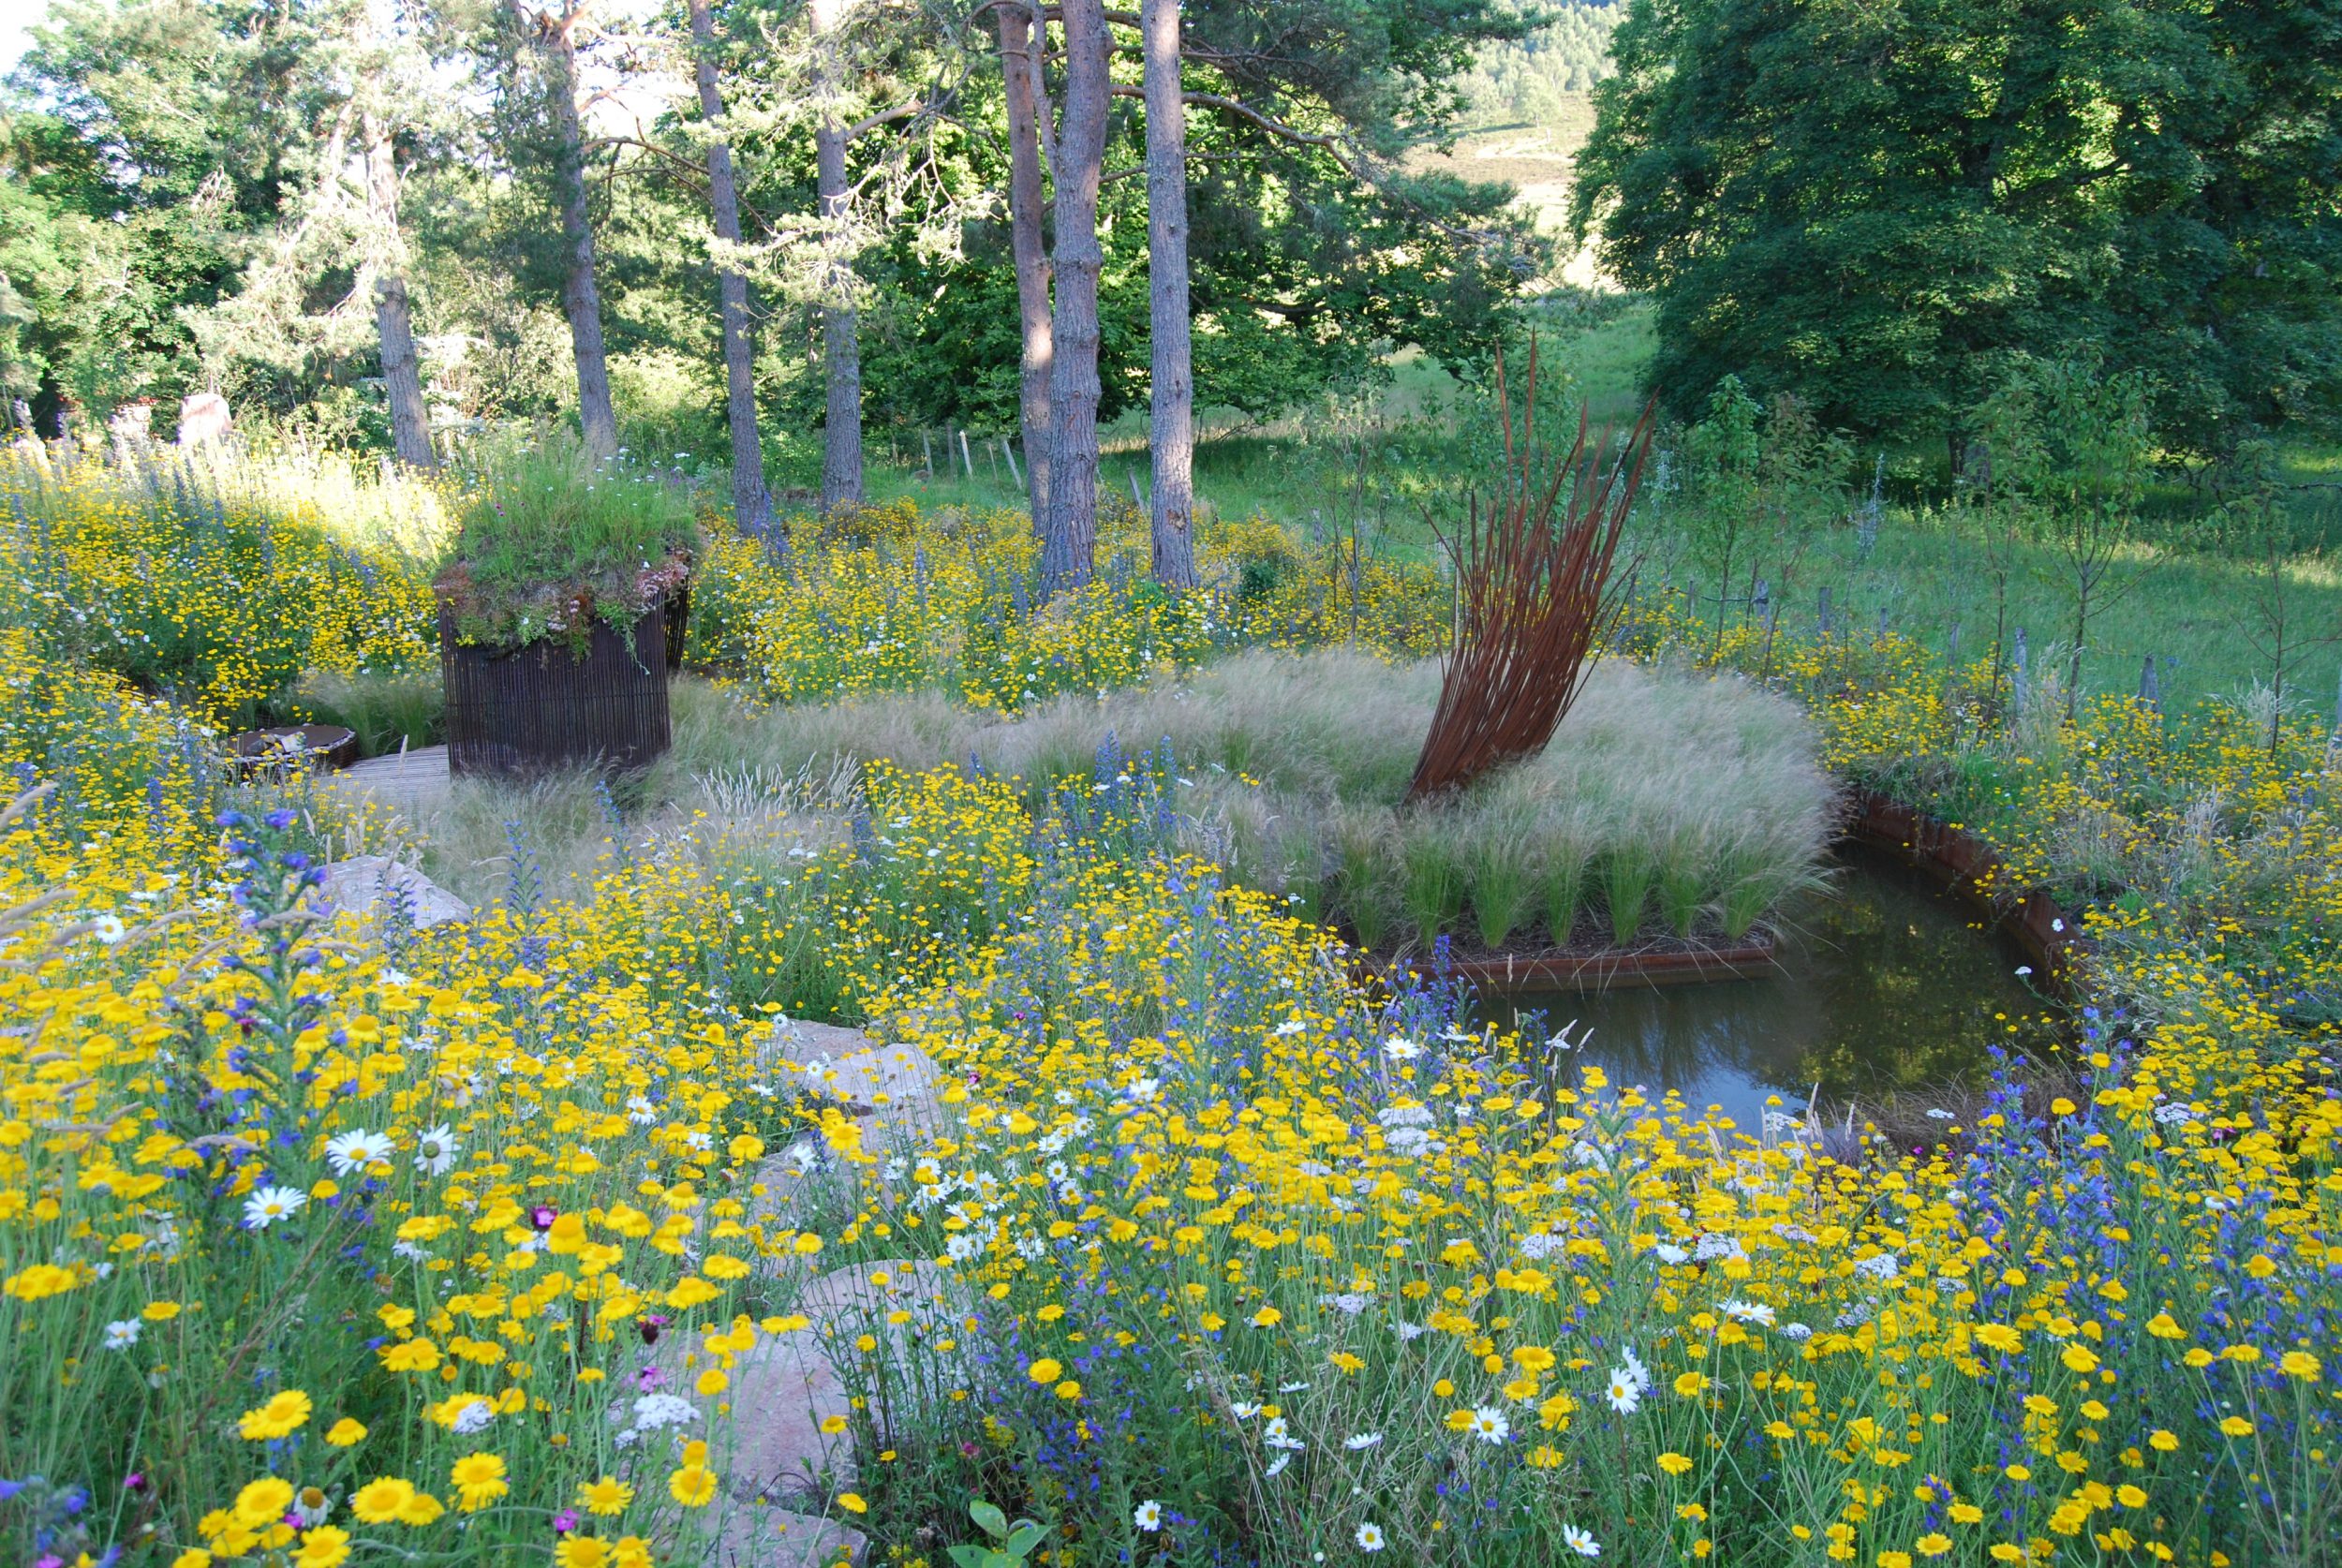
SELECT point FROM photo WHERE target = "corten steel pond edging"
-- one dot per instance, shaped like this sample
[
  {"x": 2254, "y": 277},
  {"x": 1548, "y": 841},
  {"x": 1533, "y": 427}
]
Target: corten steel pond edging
[
  {"x": 1962, "y": 859},
  {"x": 1594, "y": 971},
  {"x": 1955, "y": 857},
  {"x": 540, "y": 707}
]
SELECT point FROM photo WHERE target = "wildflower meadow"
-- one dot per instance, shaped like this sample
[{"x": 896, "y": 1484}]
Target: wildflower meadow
[{"x": 329, "y": 1239}]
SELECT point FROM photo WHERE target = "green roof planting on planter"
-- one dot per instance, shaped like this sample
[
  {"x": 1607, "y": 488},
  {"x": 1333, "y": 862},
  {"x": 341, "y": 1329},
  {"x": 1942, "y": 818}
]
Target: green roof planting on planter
[{"x": 552, "y": 539}]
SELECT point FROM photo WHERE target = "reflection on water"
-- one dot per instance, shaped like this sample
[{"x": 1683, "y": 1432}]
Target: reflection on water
[{"x": 1888, "y": 982}]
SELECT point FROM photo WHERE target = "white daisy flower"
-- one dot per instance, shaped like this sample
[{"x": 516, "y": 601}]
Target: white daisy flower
[
  {"x": 353, "y": 1152},
  {"x": 1369, "y": 1538},
  {"x": 1148, "y": 1516},
  {"x": 434, "y": 1151},
  {"x": 1580, "y": 1541},
  {"x": 1356, "y": 1440},
  {"x": 122, "y": 1336},
  {"x": 272, "y": 1204},
  {"x": 1490, "y": 1426}
]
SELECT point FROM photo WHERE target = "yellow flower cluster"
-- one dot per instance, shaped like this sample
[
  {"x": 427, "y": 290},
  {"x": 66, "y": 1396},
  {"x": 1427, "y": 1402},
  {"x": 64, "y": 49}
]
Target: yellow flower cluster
[
  {"x": 220, "y": 583},
  {"x": 908, "y": 600}
]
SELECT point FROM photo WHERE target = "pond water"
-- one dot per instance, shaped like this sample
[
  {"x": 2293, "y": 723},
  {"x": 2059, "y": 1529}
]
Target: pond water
[{"x": 1887, "y": 982}]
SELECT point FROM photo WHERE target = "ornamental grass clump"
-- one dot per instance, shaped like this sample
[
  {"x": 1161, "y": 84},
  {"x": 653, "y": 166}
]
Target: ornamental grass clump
[
  {"x": 1669, "y": 804},
  {"x": 551, "y": 540}
]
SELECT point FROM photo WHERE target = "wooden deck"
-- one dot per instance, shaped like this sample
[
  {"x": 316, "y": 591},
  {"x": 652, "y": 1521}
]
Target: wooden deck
[{"x": 413, "y": 777}]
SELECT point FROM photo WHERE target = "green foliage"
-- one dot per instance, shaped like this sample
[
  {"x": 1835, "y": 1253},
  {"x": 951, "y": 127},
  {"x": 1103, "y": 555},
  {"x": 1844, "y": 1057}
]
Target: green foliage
[
  {"x": 1762, "y": 481},
  {"x": 1878, "y": 207},
  {"x": 549, "y": 539},
  {"x": 1629, "y": 871},
  {"x": 1533, "y": 79},
  {"x": 387, "y": 711},
  {"x": 1299, "y": 281},
  {"x": 1010, "y": 1544},
  {"x": 2075, "y": 442}
]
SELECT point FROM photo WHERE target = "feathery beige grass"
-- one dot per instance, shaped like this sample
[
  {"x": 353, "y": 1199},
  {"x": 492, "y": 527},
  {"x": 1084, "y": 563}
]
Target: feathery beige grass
[{"x": 1669, "y": 803}]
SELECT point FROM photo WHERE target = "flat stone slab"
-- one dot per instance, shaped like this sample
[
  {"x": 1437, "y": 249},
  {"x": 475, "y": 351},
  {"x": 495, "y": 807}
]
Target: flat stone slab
[
  {"x": 759, "y": 1535},
  {"x": 845, "y": 1065},
  {"x": 785, "y": 1389},
  {"x": 374, "y": 885},
  {"x": 886, "y": 1075},
  {"x": 802, "y": 1040}
]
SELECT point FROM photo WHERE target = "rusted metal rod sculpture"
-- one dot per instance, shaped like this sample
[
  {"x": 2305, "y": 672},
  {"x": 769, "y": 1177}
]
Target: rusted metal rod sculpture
[{"x": 1533, "y": 596}]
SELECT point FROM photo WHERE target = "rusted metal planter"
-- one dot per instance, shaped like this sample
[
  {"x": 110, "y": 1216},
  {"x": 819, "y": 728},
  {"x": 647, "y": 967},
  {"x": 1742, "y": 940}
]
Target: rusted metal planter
[
  {"x": 521, "y": 711},
  {"x": 679, "y": 610},
  {"x": 294, "y": 746}
]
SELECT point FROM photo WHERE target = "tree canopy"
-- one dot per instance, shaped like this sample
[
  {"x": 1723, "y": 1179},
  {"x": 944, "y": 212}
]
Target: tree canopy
[{"x": 1880, "y": 204}]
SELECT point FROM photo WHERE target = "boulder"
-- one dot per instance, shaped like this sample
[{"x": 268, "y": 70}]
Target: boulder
[
  {"x": 204, "y": 417},
  {"x": 885, "y": 1076},
  {"x": 844, "y": 1064},
  {"x": 373, "y": 885}
]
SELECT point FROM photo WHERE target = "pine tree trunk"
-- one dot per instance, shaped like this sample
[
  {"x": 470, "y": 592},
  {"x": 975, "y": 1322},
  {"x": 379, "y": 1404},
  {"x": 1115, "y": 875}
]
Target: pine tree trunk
[
  {"x": 752, "y": 505},
  {"x": 1172, "y": 438},
  {"x": 1069, "y": 543},
  {"x": 580, "y": 296},
  {"x": 1020, "y": 73},
  {"x": 841, "y": 349},
  {"x": 394, "y": 319}
]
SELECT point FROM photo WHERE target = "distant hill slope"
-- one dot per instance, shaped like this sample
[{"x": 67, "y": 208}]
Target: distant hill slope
[{"x": 1531, "y": 111}]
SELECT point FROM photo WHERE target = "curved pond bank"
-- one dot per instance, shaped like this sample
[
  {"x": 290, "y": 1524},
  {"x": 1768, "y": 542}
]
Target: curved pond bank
[{"x": 1889, "y": 981}]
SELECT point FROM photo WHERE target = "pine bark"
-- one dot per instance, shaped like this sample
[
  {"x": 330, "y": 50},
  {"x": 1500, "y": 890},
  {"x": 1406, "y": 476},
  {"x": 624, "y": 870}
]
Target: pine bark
[
  {"x": 1020, "y": 73},
  {"x": 580, "y": 295},
  {"x": 394, "y": 316},
  {"x": 1069, "y": 543},
  {"x": 752, "y": 504},
  {"x": 841, "y": 347},
  {"x": 1172, "y": 436}
]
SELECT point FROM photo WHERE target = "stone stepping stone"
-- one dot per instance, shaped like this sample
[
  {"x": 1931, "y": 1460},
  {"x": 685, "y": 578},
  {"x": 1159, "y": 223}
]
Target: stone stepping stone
[
  {"x": 891, "y": 1089},
  {"x": 897, "y": 1083},
  {"x": 758, "y": 1535},
  {"x": 787, "y": 1386},
  {"x": 371, "y": 885}
]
